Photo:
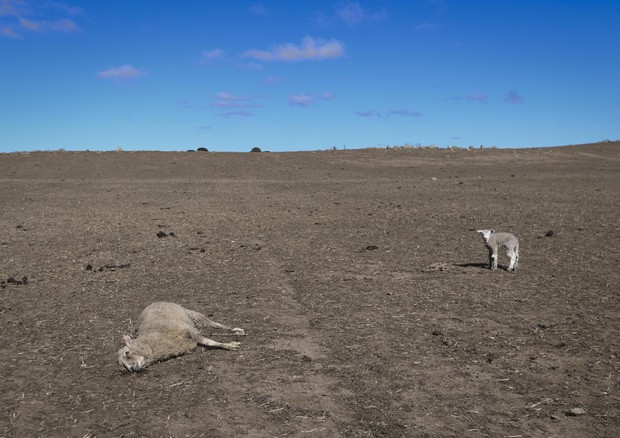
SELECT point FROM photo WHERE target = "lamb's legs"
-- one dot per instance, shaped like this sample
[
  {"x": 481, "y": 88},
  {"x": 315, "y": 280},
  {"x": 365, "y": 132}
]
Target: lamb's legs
[
  {"x": 513, "y": 260},
  {"x": 201, "y": 319},
  {"x": 492, "y": 259},
  {"x": 206, "y": 342}
]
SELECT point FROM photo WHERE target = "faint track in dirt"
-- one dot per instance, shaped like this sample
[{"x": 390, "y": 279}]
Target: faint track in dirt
[
  {"x": 600, "y": 157},
  {"x": 313, "y": 391}
]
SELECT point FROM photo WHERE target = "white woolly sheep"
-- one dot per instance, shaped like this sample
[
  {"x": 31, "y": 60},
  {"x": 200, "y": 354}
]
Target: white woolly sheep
[
  {"x": 493, "y": 241},
  {"x": 167, "y": 330}
]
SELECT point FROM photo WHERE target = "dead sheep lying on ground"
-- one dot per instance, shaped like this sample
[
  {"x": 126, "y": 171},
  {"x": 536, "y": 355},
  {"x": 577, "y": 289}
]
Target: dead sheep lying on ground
[
  {"x": 494, "y": 241},
  {"x": 167, "y": 330}
]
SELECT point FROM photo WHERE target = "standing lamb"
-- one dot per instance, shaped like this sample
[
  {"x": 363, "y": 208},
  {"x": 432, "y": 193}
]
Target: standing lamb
[
  {"x": 167, "y": 330},
  {"x": 493, "y": 241}
]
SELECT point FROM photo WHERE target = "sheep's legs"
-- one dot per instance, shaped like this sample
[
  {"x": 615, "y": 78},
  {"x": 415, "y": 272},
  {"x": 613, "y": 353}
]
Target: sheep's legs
[
  {"x": 206, "y": 342},
  {"x": 201, "y": 319}
]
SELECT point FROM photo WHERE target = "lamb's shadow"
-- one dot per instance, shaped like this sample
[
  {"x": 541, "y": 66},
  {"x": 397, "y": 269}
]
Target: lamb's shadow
[
  {"x": 480, "y": 265},
  {"x": 473, "y": 265}
]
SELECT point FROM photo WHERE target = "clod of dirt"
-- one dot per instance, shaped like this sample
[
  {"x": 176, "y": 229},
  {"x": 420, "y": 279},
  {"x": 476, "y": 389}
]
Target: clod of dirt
[
  {"x": 439, "y": 266},
  {"x": 371, "y": 248},
  {"x": 109, "y": 267},
  {"x": 88, "y": 267},
  {"x": 575, "y": 412},
  {"x": 254, "y": 246},
  {"x": 161, "y": 234},
  {"x": 549, "y": 233},
  {"x": 12, "y": 280},
  {"x": 437, "y": 333}
]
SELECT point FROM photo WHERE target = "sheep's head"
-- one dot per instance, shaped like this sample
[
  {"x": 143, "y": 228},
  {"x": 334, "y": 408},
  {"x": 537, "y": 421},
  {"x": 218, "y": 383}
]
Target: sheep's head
[
  {"x": 130, "y": 359},
  {"x": 486, "y": 234}
]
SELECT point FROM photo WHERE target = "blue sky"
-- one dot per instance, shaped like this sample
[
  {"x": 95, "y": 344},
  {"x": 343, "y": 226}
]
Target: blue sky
[{"x": 307, "y": 75}]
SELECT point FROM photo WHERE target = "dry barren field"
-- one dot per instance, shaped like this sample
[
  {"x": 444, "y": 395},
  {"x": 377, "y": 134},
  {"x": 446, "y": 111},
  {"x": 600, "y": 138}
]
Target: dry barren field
[{"x": 364, "y": 292}]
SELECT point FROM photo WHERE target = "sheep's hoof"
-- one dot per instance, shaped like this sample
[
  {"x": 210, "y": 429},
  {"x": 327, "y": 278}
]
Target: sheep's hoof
[
  {"x": 238, "y": 331},
  {"x": 231, "y": 345}
]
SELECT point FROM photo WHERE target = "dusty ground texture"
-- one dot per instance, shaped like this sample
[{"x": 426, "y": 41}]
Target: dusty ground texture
[{"x": 365, "y": 295}]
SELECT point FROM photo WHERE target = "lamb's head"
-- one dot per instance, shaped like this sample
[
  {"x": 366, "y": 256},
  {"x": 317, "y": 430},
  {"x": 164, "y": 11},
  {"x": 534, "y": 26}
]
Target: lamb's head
[
  {"x": 131, "y": 357},
  {"x": 486, "y": 234}
]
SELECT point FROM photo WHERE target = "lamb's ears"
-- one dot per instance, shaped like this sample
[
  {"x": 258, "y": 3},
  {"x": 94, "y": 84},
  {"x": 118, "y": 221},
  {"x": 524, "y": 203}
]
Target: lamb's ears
[{"x": 127, "y": 340}]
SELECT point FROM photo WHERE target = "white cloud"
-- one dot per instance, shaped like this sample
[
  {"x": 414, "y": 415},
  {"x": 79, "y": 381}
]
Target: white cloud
[
  {"x": 394, "y": 112},
  {"x": 8, "y": 32},
  {"x": 123, "y": 72},
  {"x": 211, "y": 55},
  {"x": 308, "y": 99},
  {"x": 239, "y": 105},
  {"x": 16, "y": 17},
  {"x": 309, "y": 49},
  {"x": 258, "y": 9},
  {"x": 404, "y": 113},
  {"x": 301, "y": 100},
  {"x": 513, "y": 97},
  {"x": 427, "y": 26},
  {"x": 354, "y": 13}
]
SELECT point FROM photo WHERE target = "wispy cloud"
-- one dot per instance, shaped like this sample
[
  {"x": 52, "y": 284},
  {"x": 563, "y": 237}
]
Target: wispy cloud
[
  {"x": 404, "y": 113},
  {"x": 304, "y": 100},
  {"x": 387, "y": 114},
  {"x": 224, "y": 99},
  {"x": 477, "y": 97},
  {"x": 301, "y": 100},
  {"x": 439, "y": 5},
  {"x": 212, "y": 55},
  {"x": 513, "y": 97},
  {"x": 427, "y": 26},
  {"x": 123, "y": 72},
  {"x": 189, "y": 104},
  {"x": 368, "y": 113},
  {"x": 272, "y": 80},
  {"x": 353, "y": 13},
  {"x": 8, "y": 32},
  {"x": 239, "y": 106},
  {"x": 65, "y": 7},
  {"x": 309, "y": 49},
  {"x": 258, "y": 9},
  {"x": 14, "y": 8},
  {"x": 473, "y": 97},
  {"x": 236, "y": 114},
  {"x": 16, "y": 21}
]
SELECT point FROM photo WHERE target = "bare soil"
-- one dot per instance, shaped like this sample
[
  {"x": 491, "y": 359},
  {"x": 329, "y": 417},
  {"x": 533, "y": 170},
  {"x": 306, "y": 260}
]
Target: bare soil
[{"x": 365, "y": 294}]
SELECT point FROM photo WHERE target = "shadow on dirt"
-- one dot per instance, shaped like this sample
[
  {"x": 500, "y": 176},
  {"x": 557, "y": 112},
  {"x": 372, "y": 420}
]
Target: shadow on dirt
[{"x": 473, "y": 265}]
